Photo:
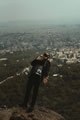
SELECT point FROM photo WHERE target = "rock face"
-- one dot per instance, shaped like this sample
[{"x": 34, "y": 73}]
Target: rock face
[{"x": 21, "y": 114}]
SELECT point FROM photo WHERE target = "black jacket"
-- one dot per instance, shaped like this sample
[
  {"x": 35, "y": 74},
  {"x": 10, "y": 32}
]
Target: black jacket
[{"x": 46, "y": 66}]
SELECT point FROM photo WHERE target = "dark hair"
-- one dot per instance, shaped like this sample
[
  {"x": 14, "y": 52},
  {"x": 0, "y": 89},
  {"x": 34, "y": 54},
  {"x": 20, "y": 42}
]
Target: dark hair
[{"x": 46, "y": 54}]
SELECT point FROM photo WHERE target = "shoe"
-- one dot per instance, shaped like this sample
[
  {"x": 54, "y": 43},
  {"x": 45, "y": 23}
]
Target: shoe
[{"x": 30, "y": 109}]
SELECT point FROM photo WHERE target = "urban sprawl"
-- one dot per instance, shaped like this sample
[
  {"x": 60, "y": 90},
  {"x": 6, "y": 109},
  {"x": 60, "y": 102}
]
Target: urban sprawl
[{"x": 62, "y": 43}]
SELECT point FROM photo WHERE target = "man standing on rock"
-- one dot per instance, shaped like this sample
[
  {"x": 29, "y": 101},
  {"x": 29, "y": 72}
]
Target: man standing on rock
[{"x": 39, "y": 73}]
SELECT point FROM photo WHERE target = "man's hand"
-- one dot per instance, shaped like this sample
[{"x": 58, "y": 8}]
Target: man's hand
[{"x": 45, "y": 80}]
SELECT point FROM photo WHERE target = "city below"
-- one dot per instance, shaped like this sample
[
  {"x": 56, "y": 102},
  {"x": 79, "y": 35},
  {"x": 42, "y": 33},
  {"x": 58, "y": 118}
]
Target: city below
[{"x": 63, "y": 42}]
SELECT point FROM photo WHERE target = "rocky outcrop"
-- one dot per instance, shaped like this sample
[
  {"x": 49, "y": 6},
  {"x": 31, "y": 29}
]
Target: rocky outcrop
[{"x": 21, "y": 114}]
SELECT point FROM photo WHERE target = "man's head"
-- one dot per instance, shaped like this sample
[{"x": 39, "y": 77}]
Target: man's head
[{"x": 46, "y": 55}]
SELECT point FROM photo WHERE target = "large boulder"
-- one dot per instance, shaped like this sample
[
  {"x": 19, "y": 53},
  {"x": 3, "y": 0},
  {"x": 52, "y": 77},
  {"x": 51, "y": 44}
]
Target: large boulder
[{"x": 38, "y": 114}]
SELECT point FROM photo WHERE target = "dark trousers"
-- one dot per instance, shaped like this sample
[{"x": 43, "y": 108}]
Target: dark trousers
[{"x": 33, "y": 83}]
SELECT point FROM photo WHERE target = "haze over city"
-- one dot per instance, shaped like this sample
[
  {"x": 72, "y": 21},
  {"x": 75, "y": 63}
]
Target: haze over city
[{"x": 49, "y": 11}]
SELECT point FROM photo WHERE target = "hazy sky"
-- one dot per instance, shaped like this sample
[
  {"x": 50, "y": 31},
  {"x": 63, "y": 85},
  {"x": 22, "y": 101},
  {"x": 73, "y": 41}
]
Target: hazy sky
[{"x": 63, "y": 11}]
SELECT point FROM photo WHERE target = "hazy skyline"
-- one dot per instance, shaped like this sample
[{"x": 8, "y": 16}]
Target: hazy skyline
[{"x": 56, "y": 11}]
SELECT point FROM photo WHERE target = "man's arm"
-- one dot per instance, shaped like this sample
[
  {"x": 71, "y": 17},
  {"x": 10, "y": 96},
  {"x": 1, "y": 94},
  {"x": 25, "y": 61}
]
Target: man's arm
[
  {"x": 36, "y": 61},
  {"x": 46, "y": 73},
  {"x": 46, "y": 69}
]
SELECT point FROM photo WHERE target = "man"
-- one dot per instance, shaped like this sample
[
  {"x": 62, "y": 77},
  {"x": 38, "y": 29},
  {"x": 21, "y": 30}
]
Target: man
[{"x": 39, "y": 73}]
